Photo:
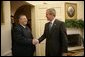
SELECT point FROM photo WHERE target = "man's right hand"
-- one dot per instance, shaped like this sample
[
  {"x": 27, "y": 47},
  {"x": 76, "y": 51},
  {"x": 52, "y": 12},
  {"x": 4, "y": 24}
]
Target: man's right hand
[{"x": 35, "y": 41}]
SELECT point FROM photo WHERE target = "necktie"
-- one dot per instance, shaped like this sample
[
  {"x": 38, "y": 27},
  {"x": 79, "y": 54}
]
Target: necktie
[{"x": 50, "y": 26}]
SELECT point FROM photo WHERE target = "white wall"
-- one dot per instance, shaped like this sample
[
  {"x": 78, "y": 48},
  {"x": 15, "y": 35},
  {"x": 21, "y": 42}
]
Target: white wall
[
  {"x": 6, "y": 31},
  {"x": 80, "y": 6}
]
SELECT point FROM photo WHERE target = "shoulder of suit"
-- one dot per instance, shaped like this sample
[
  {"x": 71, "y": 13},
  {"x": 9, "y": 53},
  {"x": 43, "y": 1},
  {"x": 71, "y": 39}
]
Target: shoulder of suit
[
  {"x": 47, "y": 23},
  {"x": 18, "y": 27},
  {"x": 58, "y": 21}
]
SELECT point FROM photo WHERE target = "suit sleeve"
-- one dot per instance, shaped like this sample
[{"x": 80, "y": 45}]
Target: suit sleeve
[
  {"x": 19, "y": 38},
  {"x": 43, "y": 36},
  {"x": 63, "y": 38}
]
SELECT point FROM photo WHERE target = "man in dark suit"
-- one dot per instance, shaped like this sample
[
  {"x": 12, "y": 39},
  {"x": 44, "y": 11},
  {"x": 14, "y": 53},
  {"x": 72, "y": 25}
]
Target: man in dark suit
[
  {"x": 22, "y": 39},
  {"x": 55, "y": 34}
]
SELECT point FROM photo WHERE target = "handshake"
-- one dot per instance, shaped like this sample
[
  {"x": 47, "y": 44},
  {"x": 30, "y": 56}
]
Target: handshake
[{"x": 35, "y": 41}]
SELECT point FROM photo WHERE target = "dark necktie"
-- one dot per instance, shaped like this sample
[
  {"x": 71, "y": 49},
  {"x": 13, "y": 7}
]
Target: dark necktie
[{"x": 50, "y": 26}]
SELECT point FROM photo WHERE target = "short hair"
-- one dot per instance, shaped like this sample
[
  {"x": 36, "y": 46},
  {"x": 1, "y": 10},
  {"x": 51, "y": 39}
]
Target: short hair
[
  {"x": 52, "y": 11},
  {"x": 18, "y": 17}
]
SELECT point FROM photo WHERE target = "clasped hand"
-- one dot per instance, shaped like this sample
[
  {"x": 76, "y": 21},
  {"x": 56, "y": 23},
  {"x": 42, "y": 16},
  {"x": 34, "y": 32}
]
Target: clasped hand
[{"x": 35, "y": 41}]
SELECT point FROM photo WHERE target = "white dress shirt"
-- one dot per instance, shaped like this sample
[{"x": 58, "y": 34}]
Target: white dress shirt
[{"x": 52, "y": 22}]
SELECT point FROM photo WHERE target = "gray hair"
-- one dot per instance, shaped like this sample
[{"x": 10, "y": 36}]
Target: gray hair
[{"x": 52, "y": 11}]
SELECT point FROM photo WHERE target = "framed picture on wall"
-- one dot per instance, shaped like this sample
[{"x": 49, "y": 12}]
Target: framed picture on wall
[
  {"x": 70, "y": 11},
  {"x": 2, "y": 17}
]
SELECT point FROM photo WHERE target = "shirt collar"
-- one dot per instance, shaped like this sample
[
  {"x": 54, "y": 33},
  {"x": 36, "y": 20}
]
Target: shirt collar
[{"x": 23, "y": 26}]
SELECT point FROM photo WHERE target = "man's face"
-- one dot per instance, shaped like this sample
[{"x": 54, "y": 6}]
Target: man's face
[
  {"x": 23, "y": 20},
  {"x": 49, "y": 16}
]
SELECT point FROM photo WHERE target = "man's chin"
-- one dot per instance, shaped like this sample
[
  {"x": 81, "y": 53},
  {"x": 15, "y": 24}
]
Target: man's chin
[{"x": 25, "y": 24}]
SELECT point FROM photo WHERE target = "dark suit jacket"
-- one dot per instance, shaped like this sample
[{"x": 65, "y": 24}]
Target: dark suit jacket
[
  {"x": 56, "y": 39},
  {"x": 22, "y": 41}
]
